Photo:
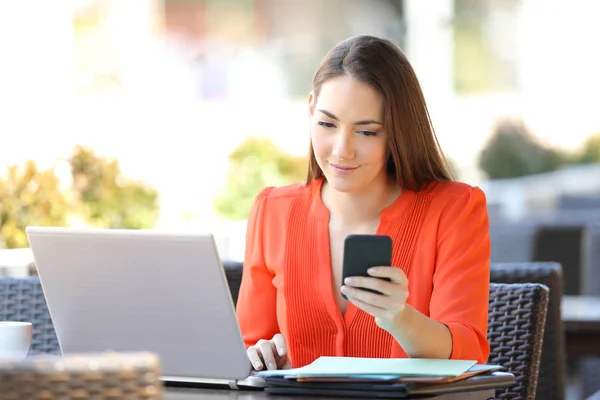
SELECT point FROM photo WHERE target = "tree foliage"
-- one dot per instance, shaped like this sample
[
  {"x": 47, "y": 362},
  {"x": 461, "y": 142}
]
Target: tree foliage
[
  {"x": 99, "y": 196},
  {"x": 106, "y": 198},
  {"x": 590, "y": 151},
  {"x": 255, "y": 164},
  {"x": 513, "y": 152},
  {"x": 29, "y": 196}
]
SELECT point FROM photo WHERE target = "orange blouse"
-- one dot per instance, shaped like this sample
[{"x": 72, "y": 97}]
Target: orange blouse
[{"x": 440, "y": 240}]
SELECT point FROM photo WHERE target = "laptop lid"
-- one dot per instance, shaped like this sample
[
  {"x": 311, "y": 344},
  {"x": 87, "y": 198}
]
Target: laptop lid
[{"x": 141, "y": 290}]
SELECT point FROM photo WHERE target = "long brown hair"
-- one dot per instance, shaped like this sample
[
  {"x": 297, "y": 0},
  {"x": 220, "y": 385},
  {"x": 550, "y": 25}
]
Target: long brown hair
[{"x": 415, "y": 157}]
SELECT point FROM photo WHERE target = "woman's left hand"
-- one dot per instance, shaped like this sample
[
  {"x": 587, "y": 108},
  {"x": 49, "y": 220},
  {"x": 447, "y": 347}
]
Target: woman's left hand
[{"x": 386, "y": 307}]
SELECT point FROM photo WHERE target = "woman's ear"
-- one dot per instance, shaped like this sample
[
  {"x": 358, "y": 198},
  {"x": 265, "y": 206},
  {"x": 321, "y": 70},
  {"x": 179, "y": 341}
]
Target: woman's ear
[{"x": 312, "y": 100}]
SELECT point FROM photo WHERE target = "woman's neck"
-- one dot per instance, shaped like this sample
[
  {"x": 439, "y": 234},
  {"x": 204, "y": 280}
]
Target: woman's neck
[{"x": 359, "y": 207}]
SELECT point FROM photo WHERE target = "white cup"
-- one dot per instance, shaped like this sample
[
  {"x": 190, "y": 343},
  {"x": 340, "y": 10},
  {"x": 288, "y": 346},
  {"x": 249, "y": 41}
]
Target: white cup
[{"x": 15, "y": 339}]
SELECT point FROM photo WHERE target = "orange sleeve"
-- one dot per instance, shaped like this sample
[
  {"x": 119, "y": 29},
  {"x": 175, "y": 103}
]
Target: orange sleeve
[
  {"x": 256, "y": 306},
  {"x": 462, "y": 275}
]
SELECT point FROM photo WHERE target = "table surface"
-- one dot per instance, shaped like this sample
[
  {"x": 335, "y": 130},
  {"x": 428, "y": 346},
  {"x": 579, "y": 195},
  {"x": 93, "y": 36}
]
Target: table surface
[
  {"x": 474, "y": 388},
  {"x": 581, "y": 322},
  {"x": 581, "y": 312},
  {"x": 224, "y": 394}
]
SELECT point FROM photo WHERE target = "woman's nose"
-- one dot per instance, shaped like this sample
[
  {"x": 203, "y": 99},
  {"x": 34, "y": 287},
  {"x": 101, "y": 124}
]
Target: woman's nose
[{"x": 343, "y": 148}]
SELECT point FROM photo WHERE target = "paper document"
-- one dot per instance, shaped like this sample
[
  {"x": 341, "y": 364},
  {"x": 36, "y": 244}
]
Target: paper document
[{"x": 390, "y": 367}]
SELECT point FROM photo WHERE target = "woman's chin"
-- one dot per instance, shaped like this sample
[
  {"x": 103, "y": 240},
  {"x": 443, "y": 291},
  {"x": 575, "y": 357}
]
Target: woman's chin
[{"x": 344, "y": 184}]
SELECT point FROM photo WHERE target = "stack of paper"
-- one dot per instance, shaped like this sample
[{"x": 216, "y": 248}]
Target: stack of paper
[
  {"x": 338, "y": 369},
  {"x": 382, "y": 377},
  {"x": 380, "y": 368}
]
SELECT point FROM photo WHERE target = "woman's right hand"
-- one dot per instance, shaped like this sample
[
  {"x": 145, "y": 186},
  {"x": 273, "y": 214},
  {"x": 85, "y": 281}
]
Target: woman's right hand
[{"x": 270, "y": 353}]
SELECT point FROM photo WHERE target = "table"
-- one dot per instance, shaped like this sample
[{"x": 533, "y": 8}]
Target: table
[
  {"x": 223, "y": 394},
  {"x": 581, "y": 321},
  {"x": 474, "y": 388}
]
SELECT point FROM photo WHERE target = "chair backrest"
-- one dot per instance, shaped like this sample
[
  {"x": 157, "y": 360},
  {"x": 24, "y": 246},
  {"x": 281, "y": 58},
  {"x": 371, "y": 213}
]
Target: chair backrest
[
  {"x": 552, "y": 374},
  {"x": 233, "y": 271},
  {"x": 594, "y": 260},
  {"x": 516, "y": 319},
  {"x": 590, "y": 275},
  {"x": 22, "y": 299},
  {"x": 567, "y": 245},
  {"x": 117, "y": 376}
]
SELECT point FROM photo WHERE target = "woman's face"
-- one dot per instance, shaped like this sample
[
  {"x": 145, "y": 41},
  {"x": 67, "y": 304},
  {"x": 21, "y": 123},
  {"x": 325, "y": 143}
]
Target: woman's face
[{"x": 347, "y": 134}]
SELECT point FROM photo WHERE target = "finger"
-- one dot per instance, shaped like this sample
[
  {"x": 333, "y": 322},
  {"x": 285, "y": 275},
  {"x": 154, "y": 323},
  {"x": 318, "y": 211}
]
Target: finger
[
  {"x": 266, "y": 351},
  {"x": 385, "y": 287},
  {"x": 254, "y": 358},
  {"x": 279, "y": 342},
  {"x": 374, "y": 299},
  {"x": 375, "y": 311},
  {"x": 281, "y": 360},
  {"x": 287, "y": 364},
  {"x": 393, "y": 273}
]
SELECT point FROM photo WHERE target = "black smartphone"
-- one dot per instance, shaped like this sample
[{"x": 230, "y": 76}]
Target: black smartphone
[{"x": 362, "y": 252}]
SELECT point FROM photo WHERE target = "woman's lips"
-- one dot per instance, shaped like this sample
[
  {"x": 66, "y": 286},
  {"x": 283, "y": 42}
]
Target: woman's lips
[{"x": 341, "y": 169}]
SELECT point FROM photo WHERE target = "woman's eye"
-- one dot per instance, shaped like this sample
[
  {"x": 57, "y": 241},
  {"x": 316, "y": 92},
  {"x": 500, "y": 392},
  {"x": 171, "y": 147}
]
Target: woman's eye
[
  {"x": 326, "y": 124},
  {"x": 368, "y": 133}
]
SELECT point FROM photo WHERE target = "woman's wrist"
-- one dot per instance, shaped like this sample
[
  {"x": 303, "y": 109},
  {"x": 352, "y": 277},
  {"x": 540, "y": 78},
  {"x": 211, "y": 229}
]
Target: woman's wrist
[
  {"x": 404, "y": 323},
  {"x": 421, "y": 336}
]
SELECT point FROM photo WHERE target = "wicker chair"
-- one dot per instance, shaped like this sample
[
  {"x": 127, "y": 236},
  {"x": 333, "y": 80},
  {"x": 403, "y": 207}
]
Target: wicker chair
[
  {"x": 233, "y": 271},
  {"x": 552, "y": 374},
  {"x": 516, "y": 319},
  {"x": 590, "y": 245},
  {"x": 589, "y": 367},
  {"x": 567, "y": 245},
  {"x": 22, "y": 299},
  {"x": 116, "y": 376}
]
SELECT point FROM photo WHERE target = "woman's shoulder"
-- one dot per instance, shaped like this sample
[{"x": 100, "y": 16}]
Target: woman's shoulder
[
  {"x": 446, "y": 193},
  {"x": 273, "y": 204},
  {"x": 450, "y": 188},
  {"x": 281, "y": 196}
]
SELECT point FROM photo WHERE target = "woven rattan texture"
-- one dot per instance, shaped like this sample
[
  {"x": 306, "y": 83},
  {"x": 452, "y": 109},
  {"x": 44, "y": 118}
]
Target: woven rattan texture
[
  {"x": 233, "y": 271},
  {"x": 516, "y": 319},
  {"x": 115, "y": 376},
  {"x": 551, "y": 379},
  {"x": 22, "y": 299}
]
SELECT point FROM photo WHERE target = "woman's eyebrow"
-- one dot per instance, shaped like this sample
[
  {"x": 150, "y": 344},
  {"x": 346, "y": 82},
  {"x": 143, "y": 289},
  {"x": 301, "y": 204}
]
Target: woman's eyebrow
[{"x": 362, "y": 122}]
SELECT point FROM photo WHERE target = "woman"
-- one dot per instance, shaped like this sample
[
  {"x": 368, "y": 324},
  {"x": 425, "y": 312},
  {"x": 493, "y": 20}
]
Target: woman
[{"x": 375, "y": 168}]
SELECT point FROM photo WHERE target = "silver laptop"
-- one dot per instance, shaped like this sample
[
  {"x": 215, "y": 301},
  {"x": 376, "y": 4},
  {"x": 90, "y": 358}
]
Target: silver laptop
[{"x": 141, "y": 290}]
